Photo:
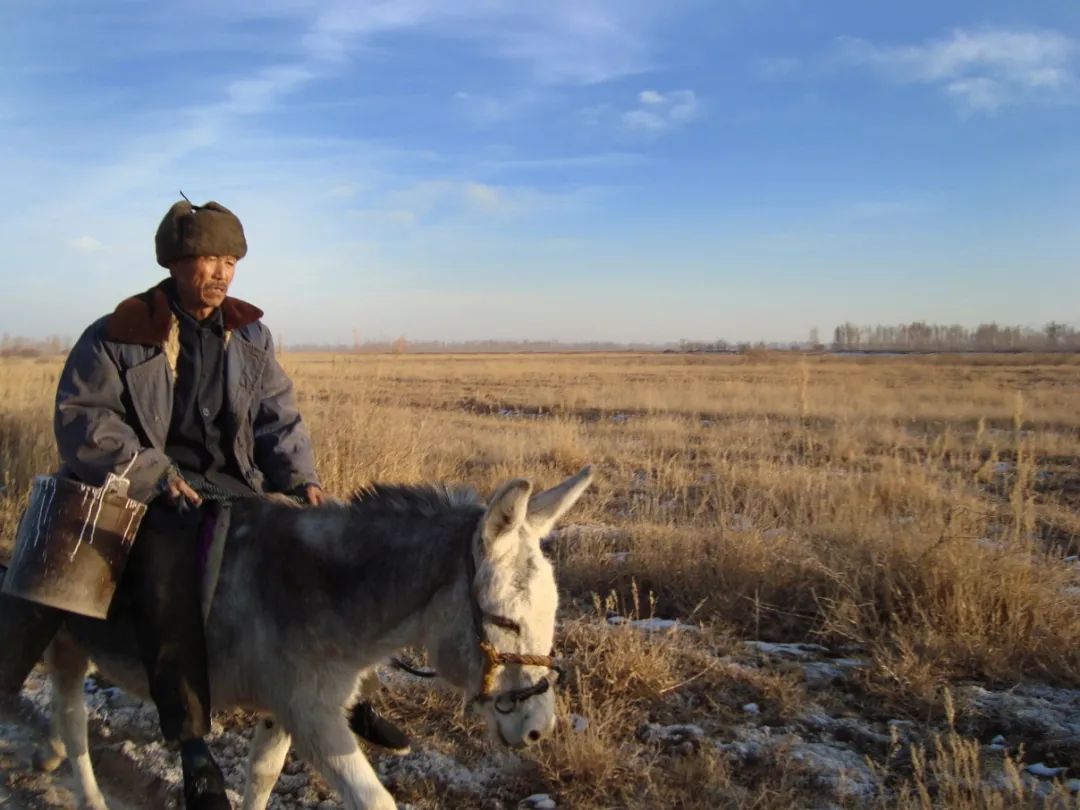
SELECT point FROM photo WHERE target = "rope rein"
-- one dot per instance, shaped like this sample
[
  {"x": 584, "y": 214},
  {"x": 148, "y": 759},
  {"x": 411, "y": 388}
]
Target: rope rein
[{"x": 493, "y": 659}]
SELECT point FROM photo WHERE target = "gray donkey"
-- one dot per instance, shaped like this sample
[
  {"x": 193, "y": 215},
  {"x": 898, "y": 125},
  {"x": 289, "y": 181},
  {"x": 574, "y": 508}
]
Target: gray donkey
[{"x": 310, "y": 600}]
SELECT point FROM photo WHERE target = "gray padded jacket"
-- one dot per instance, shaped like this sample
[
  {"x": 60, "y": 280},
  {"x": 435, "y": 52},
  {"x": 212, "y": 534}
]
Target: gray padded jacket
[{"x": 115, "y": 399}]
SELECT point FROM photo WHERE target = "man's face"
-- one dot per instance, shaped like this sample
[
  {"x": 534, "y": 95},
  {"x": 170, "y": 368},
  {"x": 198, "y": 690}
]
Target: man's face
[{"x": 202, "y": 282}]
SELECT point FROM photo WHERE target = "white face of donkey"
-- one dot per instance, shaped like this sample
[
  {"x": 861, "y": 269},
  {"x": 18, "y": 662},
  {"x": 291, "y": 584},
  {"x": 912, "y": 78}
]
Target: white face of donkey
[{"x": 515, "y": 594}]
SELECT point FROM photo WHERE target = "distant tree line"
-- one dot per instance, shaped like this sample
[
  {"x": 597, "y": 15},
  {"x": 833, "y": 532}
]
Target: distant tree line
[
  {"x": 402, "y": 345},
  {"x": 919, "y": 336},
  {"x": 721, "y": 346}
]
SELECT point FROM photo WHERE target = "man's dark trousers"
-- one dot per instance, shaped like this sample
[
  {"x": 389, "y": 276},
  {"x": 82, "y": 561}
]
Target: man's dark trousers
[{"x": 162, "y": 585}]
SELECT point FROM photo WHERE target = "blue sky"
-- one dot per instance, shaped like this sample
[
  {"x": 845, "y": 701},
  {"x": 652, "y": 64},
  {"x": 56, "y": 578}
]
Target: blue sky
[{"x": 612, "y": 170}]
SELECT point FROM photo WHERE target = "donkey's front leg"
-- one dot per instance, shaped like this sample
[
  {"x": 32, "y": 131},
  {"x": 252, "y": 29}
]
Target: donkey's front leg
[
  {"x": 67, "y": 665},
  {"x": 323, "y": 738},
  {"x": 269, "y": 747}
]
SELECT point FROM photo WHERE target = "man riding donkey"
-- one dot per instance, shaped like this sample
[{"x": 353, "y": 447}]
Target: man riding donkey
[{"x": 180, "y": 392}]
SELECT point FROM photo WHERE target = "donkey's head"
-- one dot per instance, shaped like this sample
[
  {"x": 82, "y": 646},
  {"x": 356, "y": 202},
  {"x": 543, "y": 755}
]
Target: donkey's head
[{"x": 507, "y": 671}]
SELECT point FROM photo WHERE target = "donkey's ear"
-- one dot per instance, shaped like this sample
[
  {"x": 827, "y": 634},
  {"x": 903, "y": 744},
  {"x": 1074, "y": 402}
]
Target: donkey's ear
[
  {"x": 549, "y": 506},
  {"x": 506, "y": 513}
]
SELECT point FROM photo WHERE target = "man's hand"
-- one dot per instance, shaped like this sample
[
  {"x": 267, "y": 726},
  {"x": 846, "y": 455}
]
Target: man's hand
[
  {"x": 315, "y": 495},
  {"x": 177, "y": 490}
]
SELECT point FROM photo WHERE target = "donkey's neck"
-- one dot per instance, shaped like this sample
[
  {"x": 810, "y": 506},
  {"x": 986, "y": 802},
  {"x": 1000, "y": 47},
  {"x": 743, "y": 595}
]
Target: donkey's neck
[{"x": 355, "y": 580}]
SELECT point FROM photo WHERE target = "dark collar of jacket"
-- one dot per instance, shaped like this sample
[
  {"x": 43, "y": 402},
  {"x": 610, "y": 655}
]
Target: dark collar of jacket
[{"x": 147, "y": 318}]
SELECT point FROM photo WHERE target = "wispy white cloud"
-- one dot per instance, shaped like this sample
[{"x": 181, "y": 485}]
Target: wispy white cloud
[
  {"x": 433, "y": 202},
  {"x": 581, "y": 43},
  {"x": 657, "y": 112},
  {"x": 584, "y": 42},
  {"x": 87, "y": 244},
  {"x": 983, "y": 70}
]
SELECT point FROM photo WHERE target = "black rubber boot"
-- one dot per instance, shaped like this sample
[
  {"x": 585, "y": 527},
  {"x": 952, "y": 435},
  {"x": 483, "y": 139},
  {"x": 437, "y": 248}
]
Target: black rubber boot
[
  {"x": 204, "y": 786},
  {"x": 369, "y": 725}
]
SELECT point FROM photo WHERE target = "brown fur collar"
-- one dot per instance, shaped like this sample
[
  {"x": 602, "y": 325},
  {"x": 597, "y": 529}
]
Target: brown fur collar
[{"x": 147, "y": 318}]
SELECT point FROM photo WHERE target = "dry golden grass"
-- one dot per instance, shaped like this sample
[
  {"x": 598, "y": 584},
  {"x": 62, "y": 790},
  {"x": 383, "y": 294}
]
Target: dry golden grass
[{"x": 917, "y": 508}]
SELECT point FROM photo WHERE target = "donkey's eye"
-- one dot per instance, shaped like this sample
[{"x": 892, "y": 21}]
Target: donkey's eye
[{"x": 505, "y": 704}]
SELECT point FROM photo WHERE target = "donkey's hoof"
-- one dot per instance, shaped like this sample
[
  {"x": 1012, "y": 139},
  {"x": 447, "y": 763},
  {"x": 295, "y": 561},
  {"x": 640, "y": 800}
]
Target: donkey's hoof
[{"x": 46, "y": 760}]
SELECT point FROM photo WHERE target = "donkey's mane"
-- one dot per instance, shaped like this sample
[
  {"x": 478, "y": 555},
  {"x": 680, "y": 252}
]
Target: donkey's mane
[{"x": 414, "y": 500}]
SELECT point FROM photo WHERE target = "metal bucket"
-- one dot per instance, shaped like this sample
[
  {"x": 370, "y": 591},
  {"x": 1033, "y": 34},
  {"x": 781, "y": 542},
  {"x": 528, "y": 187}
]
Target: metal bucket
[{"x": 73, "y": 543}]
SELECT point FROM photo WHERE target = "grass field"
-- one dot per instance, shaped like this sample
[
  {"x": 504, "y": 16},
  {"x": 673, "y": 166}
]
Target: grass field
[{"x": 916, "y": 512}]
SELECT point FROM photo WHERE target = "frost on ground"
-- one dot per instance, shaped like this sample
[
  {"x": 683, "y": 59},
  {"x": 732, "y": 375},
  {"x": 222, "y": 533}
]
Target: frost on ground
[
  {"x": 835, "y": 753},
  {"x": 132, "y": 762}
]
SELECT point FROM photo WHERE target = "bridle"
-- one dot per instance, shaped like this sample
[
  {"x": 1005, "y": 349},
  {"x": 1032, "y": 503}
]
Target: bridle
[{"x": 503, "y": 702}]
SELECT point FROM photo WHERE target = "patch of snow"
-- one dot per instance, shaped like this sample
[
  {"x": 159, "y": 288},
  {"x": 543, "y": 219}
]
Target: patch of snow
[
  {"x": 619, "y": 556},
  {"x": 1028, "y": 711},
  {"x": 772, "y": 534},
  {"x": 815, "y": 717},
  {"x": 1043, "y": 770},
  {"x": 1073, "y": 786},
  {"x": 796, "y": 650},
  {"x": 998, "y": 743},
  {"x": 833, "y": 767},
  {"x": 841, "y": 771},
  {"x": 434, "y": 766},
  {"x": 826, "y": 673},
  {"x": 682, "y": 738},
  {"x": 578, "y": 723},
  {"x": 751, "y": 708},
  {"x": 538, "y": 801}
]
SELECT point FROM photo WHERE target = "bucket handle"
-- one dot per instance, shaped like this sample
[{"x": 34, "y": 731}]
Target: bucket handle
[{"x": 127, "y": 469}]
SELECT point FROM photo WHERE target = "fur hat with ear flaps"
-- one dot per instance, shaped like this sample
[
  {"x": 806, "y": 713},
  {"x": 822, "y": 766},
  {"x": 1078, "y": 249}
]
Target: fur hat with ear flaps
[{"x": 199, "y": 230}]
